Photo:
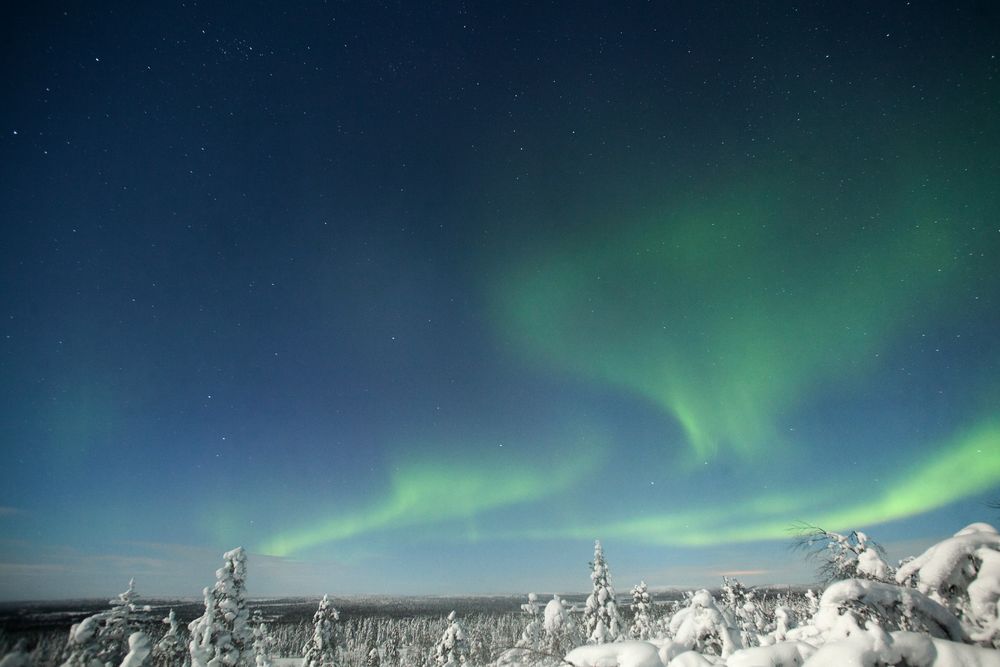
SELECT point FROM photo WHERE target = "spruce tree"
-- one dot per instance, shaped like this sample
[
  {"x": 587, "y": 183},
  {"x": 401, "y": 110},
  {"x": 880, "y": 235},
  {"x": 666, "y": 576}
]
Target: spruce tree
[
  {"x": 453, "y": 648},
  {"x": 222, "y": 633},
  {"x": 321, "y": 649},
  {"x": 601, "y": 621},
  {"x": 170, "y": 650},
  {"x": 642, "y": 605}
]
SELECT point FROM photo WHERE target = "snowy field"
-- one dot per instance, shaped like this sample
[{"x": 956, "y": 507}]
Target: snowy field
[{"x": 936, "y": 609}]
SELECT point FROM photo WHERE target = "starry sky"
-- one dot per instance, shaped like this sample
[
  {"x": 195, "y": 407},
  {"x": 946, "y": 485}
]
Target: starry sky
[{"x": 425, "y": 297}]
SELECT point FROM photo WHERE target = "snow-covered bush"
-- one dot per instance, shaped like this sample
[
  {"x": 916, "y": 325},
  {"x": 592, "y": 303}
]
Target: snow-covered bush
[
  {"x": 601, "y": 620},
  {"x": 703, "y": 627},
  {"x": 642, "y": 607},
  {"x": 222, "y": 633},
  {"x": 847, "y": 606},
  {"x": 453, "y": 649},
  {"x": 851, "y": 556},
  {"x": 963, "y": 573},
  {"x": 321, "y": 649},
  {"x": 619, "y": 654}
]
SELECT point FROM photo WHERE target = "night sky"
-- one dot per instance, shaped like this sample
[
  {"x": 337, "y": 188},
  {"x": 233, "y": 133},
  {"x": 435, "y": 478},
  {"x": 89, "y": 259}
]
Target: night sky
[{"x": 425, "y": 297}]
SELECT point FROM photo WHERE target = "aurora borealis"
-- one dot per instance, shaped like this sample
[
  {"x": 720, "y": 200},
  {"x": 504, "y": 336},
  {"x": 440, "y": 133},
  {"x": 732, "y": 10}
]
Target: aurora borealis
[{"x": 457, "y": 289}]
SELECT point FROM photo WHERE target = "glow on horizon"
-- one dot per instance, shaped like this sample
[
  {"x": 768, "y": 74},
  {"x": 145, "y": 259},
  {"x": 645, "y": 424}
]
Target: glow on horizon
[
  {"x": 433, "y": 491},
  {"x": 963, "y": 466}
]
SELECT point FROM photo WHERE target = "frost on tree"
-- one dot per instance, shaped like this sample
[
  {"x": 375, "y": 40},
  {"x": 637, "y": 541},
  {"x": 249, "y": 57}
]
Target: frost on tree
[
  {"x": 642, "y": 607},
  {"x": 171, "y": 651},
  {"x": 102, "y": 639},
  {"x": 221, "y": 636},
  {"x": 601, "y": 621},
  {"x": 321, "y": 649},
  {"x": 453, "y": 648},
  {"x": 963, "y": 574}
]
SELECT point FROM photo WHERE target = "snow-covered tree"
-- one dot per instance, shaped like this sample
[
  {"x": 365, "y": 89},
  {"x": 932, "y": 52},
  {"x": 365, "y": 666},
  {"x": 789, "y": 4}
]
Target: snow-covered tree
[
  {"x": 138, "y": 650},
  {"x": 642, "y": 607},
  {"x": 222, "y": 633},
  {"x": 453, "y": 649},
  {"x": 561, "y": 631},
  {"x": 963, "y": 574},
  {"x": 533, "y": 636},
  {"x": 391, "y": 657},
  {"x": 262, "y": 641},
  {"x": 102, "y": 639},
  {"x": 170, "y": 651},
  {"x": 703, "y": 627},
  {"x": 851, "y": 556},
  {"x": 744, "y": 608},
  {"x": 321, "y": 649},
  {"x": 601, "y": 621},
  {"x": 373, "y": 659},
  {"x": 18, "y": 655}
]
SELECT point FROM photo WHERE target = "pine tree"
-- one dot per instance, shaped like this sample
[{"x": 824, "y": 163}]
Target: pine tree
[
  {"x": 600, "y": 616},
  {"x": 453, "y": 648},
  {"x": 642, "y": 605},
  {"x": 222, "y": 633},
  {"x": 373, "y": 659},
  {"x": 170, "y": 650},
  {"x": 321, "y": 649}
]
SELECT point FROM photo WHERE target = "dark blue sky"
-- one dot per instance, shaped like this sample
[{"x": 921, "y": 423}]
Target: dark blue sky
[{"x": 463, "y": 286}]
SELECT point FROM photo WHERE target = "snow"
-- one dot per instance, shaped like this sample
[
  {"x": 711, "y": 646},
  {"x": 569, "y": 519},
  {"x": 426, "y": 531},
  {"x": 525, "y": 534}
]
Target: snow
[
  {"x": 620, "y": 654},
  {"x": 785, "y": 654}
]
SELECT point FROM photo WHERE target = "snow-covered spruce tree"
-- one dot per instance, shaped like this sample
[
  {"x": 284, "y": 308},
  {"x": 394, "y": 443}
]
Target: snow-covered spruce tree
[
  {"x": 963, "y": 574},
  {"x": 392, "y": 657},
  {"x": 601, "y": 621},
  {"x": 102, "y": 639},
  {"x": 562, "y": 634},
  {"x": 703, "y": 627},
  {"x": 171, "y": 651},
  {"x": 453, "y": 649},
  {"x": 743, "y": 607},
  {"x": 321, "y": 649},
  {"x": 851, "y": 556},
  {"x": 262, "y": 641},
  {"x": 642, "y": 607},
  {"x": 533, "y": 636},
  {"x": 222, "y": 633}
]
